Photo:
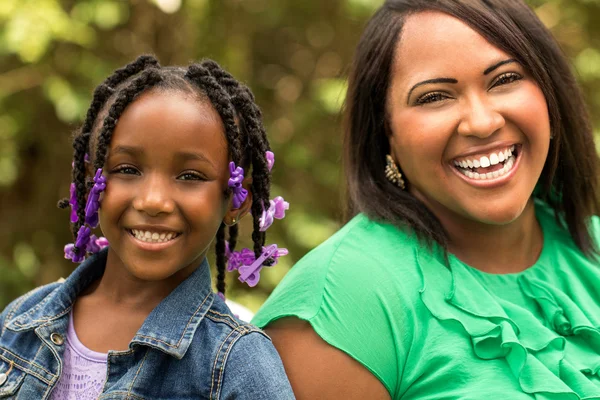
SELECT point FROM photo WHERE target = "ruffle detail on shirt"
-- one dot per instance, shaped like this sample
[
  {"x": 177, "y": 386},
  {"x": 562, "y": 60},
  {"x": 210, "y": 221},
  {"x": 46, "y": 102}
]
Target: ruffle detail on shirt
[{"x": 554, "y": 361}]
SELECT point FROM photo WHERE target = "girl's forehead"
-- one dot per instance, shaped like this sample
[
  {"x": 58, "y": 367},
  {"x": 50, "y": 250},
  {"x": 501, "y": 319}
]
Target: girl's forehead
[{"x": 166, "y": 122}]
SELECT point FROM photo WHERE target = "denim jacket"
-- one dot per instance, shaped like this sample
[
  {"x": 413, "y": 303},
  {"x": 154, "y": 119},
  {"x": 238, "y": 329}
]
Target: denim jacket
[{"x": 189, "y": 347}]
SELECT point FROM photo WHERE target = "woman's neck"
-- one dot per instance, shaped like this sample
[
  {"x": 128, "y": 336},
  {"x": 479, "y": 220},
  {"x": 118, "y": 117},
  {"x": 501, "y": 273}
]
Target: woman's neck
[{"x": 496, "y": 249}]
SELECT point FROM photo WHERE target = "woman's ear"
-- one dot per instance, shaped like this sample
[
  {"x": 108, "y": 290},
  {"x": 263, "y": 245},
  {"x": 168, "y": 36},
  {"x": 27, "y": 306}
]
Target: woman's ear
[{"x": 234, "y": 215}]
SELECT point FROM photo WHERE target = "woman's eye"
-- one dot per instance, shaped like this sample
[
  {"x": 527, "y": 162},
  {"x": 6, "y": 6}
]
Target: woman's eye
[
  {"x": 507, "y": 78},
  {"x": 431, "y": 98}
]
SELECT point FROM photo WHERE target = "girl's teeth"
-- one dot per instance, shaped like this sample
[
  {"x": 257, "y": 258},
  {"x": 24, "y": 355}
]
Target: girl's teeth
[{"x": 153, "y": 237}]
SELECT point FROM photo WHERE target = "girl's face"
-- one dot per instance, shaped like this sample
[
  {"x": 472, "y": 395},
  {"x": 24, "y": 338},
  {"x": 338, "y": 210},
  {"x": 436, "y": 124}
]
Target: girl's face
[
  {"x": 469, "y": 127},
  {"x": 167, "y": 174}
]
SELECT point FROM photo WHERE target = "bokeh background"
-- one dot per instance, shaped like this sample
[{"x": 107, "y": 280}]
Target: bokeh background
[{"x": 294, "y": 54}]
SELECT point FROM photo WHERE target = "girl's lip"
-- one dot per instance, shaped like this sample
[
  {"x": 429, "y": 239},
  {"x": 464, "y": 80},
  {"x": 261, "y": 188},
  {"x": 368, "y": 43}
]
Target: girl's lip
[
  {"x": 152, "y": 246},
  {"x": 492, "y": 182}
]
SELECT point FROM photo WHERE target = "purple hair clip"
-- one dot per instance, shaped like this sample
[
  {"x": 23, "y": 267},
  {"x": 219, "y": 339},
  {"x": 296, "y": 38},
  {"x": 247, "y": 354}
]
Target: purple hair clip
[
  {"x": 251, "y": 273},
  {"x": 96, "y": 244},
  {"x": 270, "y": 159},
  {"x": 277, "y": 208},
  {"x": 238, "y": 258},
  {"x": 81, "y": 244},
  {"x": 235, "y": 183},
  {"x": 93, "y": 202},
  {"x": 73, "y": 203}
]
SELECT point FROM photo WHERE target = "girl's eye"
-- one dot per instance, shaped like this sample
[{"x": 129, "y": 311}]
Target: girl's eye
[
  {"x": 431, "y": 98},
  {"x": 191, "y": 176},
  {"x": 126, "y": 170},
  {"x": 507, "y": 78}
]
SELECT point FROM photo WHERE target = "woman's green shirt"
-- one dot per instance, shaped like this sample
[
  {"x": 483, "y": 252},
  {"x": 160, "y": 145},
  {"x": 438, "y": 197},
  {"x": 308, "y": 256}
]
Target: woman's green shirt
[{"x": 427, "y": 331}]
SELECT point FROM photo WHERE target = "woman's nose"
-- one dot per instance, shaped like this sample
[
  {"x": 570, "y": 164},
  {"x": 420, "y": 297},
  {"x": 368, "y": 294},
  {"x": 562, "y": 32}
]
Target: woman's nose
[
  {"x": 480, "y": 118},
  {"x": 154, "y": 197}
]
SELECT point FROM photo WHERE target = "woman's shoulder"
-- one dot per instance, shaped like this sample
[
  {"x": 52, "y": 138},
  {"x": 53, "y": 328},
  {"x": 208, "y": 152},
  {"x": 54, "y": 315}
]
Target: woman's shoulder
[{"x": 363, "y": 266}]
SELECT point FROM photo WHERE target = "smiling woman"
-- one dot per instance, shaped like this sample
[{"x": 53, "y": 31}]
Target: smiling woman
[{"x": 469, "y": 268}]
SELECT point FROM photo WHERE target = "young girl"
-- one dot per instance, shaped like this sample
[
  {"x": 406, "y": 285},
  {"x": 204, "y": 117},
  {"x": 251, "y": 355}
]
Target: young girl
[{"x": 161, "y": 165}]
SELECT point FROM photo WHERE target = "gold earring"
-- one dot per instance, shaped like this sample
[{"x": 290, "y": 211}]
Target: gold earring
[
  {"x": 233, "y": 221},
  {"x": 392, "y": 173}
]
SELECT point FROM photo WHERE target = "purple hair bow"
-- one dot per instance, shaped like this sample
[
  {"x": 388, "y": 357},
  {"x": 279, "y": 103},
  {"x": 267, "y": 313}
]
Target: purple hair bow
[
  {"x": 270, "y": 159},
  {"x": 93, "y": 202},
  {"x": 250, "y": 273},
  {"x": 235, "y": 183},
  {"x": 277, "y": 208}
]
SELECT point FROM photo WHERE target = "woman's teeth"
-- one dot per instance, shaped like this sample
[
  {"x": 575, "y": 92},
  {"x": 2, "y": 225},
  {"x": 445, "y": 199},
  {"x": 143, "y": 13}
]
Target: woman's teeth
[
  {"x": 467, "y": 166},
  {"x": 153, "y": 237}
]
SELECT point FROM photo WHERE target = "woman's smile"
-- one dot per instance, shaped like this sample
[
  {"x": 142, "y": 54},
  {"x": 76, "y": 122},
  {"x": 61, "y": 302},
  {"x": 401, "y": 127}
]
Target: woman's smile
[{"x": 490, "y": 170}]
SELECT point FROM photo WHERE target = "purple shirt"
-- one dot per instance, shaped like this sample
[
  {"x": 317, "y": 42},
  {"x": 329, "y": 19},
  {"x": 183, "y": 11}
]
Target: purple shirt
[{"x": 84, "y": 370}]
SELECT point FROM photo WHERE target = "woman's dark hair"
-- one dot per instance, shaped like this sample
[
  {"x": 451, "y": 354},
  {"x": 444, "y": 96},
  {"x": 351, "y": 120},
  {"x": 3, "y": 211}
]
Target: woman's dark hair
[
  {"x": 244, "y": 132},
  {"x": 569, "y": 178}
]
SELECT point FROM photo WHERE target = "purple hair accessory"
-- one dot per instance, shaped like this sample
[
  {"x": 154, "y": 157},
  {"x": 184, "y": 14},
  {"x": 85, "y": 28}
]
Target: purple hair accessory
[
  {"x": 102, "y": 242},
  {"x": 270, "y": 159},
  {"x": 83, "y": 239},
  {"x": 235, "y": 183},
  {"x": 251, "y": 273},
  {"x": 277, "y": 208},
  {"x": 73, "y": 203},
  {"x": 92, "y": 246},
  {"x": 238, "y": 258},
  {"x": 93, "y": 202}
]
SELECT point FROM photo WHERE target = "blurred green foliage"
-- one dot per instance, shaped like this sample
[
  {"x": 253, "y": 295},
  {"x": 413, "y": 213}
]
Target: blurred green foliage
[{"x": 293, "y": 54}]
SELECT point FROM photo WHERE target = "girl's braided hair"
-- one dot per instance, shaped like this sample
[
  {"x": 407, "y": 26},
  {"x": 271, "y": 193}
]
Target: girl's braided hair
[{"x": 241, "y": 116}]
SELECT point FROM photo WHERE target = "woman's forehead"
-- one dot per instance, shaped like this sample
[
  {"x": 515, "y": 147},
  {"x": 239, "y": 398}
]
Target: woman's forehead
[{"x": 432, "y": 42}]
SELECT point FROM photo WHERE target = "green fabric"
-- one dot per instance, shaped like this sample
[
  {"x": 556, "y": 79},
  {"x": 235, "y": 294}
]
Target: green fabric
[{"x": 429, "y": 332}]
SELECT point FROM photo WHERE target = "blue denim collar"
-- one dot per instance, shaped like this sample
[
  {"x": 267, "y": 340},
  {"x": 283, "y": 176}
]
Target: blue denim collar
[{"x": 170, "y": 327}]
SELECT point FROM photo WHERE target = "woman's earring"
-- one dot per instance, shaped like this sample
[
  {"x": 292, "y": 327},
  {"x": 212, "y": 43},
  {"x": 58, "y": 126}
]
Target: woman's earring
[
  {"x": 233, "y": 221},
  {"x": 392, "y": 173}
]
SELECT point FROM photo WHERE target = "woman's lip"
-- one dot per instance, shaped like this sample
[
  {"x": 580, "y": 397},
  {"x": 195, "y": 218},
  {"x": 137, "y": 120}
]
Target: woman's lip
[
  {"x": 493, "y": 182},
  {"x": 152, "y": 246}
]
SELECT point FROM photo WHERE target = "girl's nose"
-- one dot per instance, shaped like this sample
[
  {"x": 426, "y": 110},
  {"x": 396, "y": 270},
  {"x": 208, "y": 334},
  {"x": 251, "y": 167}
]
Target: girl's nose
[
  {"x": 154, "y": 198},
  {"x": 480, "y": 119}
]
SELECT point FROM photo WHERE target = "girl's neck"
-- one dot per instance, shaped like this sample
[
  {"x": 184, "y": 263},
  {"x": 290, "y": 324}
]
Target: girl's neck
[
  {"x": 120, "y": 288},
  {"x": 497, "y": 249}
]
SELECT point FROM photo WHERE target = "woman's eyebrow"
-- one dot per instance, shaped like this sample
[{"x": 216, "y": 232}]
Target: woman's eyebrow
[
  {"x": 452, "y": 80},
  {"x": 499, "y": 64},
  {"x": 428, "y": 81}
]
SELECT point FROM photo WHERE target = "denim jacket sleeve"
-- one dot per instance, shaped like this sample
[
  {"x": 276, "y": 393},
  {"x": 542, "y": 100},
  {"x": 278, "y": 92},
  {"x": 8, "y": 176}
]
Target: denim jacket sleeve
[{"x": 254, "y": 371}]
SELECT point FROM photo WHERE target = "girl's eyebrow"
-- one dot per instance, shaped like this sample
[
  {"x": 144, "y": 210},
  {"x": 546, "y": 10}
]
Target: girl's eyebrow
[
  {"x": 452, "y": 80},
  {"x": 190, "y": 155},
  {"x": 129, "y": 150}
]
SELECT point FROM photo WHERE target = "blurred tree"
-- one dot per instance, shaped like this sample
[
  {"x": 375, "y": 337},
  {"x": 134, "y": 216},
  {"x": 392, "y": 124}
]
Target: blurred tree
[{"x": 293, "y": 54}]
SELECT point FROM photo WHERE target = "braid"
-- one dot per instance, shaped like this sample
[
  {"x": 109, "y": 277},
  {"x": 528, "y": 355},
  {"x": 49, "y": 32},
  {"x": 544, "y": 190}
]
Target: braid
[
  {"x": 126, "y": 96},
  {"x": 243, "y": 101},
  {"x": 221, "y": 259},
  {"x": 222, "y": 103},
  {"x": 131, "y": 69},
  {"x": 81, "y": 141}
]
